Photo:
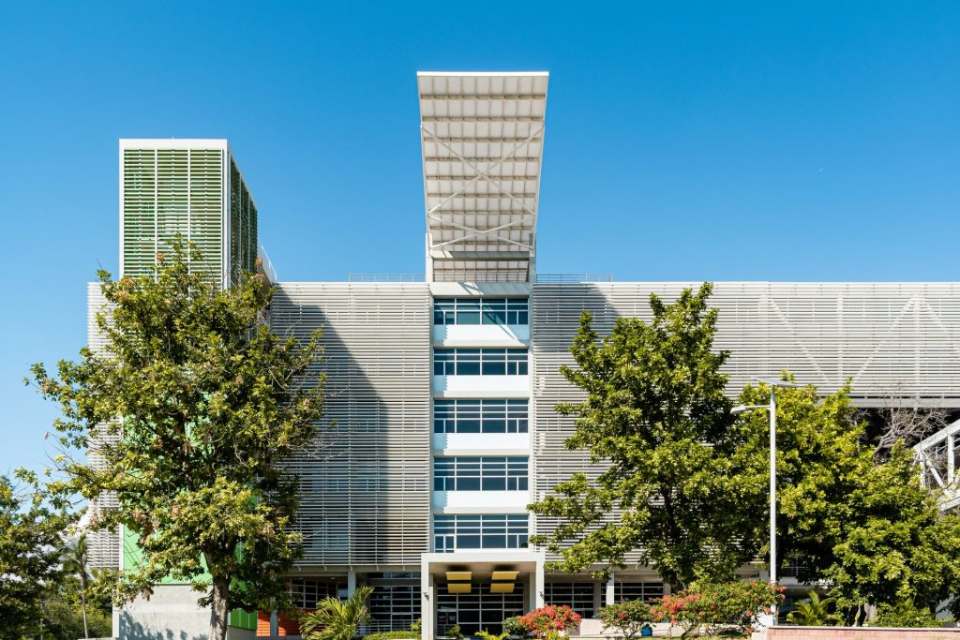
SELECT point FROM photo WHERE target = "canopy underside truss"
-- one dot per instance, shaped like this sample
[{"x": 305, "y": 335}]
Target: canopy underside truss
[{"x": 482, "y": 144}]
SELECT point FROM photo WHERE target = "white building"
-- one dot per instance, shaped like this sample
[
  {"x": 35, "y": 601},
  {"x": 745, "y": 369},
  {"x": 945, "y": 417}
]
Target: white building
[{"x": 440, "y": 426}]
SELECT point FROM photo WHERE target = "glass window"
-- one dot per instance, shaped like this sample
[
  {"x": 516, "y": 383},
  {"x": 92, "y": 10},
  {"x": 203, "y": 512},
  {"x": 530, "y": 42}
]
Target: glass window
[
  {"x": 480, "y": 531},
  {"x": 497, "y": 311},
  {"x": 306, "y": 592},
  {"x": 475, "y": 362},
  {"x": 478, "y": 610},
  {"x": 576, "y": 595},
  {"x": 480, "y": 416},
  {"x": 395, "y": 602},
  {"x": 494, "y": 363},
  {"x": 648, "y": 591},
  {"x": 444, "y": 312},
  {"x": 480, "y": 473},
  {"x": 468, "y": 311}
]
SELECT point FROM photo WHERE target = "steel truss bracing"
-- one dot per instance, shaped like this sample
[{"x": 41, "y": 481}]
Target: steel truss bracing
[
  {"x": 938, "y": 457},
  {"x": 482, "y": 142},
  {"x": 893, "y": 342}
]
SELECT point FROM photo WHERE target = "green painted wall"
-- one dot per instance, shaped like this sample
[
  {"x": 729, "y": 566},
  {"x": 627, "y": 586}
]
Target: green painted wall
[{"x": 133, "y": 556}]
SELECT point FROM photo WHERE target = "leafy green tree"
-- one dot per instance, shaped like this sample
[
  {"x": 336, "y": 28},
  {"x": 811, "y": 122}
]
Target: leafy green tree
[
  {"x": 192, "y": 406},
  {"x": 68, "y": 616},
  {"x": 655, "y": 412},
  {"x": 75, "y": 563},
  {"x": 868, "y": 529},
  {"x": 31, "y": 526},
  {"x": 337, "y": 619}
]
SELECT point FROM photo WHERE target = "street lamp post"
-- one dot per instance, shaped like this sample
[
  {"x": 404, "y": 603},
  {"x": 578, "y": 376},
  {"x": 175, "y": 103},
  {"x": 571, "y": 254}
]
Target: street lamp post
[{"x": 771, "y": 408}]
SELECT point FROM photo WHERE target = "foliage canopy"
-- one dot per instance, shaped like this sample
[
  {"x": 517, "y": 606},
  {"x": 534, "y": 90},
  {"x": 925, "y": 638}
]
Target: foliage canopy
[
  {"x": 655, "y": 412},
  {"x": 190, "y": 408}
]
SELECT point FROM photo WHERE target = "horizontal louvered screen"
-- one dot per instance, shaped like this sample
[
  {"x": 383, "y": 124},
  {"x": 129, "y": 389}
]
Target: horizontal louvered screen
[
  {"x": 366, "y": 481},
  {"x": 171, "y": 192},
  {"x": 243, "y": 226},
  {"x": 104, "y": 546},
  {"x": 891, "y": 339}
]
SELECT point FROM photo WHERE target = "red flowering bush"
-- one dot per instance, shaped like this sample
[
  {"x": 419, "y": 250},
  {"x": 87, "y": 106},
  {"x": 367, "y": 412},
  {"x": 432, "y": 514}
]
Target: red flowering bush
[
  {"x": 731, "y": 606},
  {"x": 628, "y": 618},
  {"x": 551, "y": 621}
]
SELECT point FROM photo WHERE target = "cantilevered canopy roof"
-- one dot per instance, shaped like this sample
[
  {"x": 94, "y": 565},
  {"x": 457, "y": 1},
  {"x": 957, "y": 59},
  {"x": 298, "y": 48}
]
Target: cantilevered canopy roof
[{"x": 482, "y": 141}]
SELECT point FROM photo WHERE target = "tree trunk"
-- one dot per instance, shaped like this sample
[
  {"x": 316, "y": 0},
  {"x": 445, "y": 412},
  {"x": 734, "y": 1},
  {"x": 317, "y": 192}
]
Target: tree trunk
[
  {"x": 83, "y": 610},
  {"x": 218, "y": 610}
]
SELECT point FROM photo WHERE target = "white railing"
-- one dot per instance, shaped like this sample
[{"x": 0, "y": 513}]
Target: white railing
[
  {"x": 573, "y": 278},
  {"x": 266, "y": 264},
  {"x": 384, "y": 277}
]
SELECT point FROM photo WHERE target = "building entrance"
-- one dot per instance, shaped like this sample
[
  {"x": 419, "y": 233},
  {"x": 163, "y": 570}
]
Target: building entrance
[{"x": 478, "y": 610}]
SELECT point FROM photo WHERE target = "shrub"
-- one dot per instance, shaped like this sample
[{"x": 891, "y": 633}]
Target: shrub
[
  {"x": 514, "y": 627},
  {"x": 904, "y": 614},
  {"x": 335, "y": 619},
  {"x": 628, "y": 618},
  {"x": 814, "y": 612},
  {"x": 390, "y": 635},
  {"x": 732, "y": 606},
  {"x": 550, "y": 622}
]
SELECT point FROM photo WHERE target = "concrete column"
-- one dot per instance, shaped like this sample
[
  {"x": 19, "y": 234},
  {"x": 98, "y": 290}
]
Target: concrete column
[
  {"x": 274, "y": 624},
  {"x": 609, "y": 595},
  {"x": 427, "y": 607},
  {"x": 539, "y": 585},
  {"x": 597, "y": 596},
  {"x": 351, "y": 582}
]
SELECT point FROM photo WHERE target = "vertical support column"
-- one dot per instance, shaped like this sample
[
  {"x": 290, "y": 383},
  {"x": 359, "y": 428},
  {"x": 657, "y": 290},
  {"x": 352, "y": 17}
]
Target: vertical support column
[
  {"x": 427, "y": 597},
  {"x": 609, "y": 596},
  {"x": 274, "y": 625},
  {"x": 351, "y": 582},
  {"x": 597, "y": 596},
  {"x": 539, "y": 584},
  {"x": 951, "y": 458}
]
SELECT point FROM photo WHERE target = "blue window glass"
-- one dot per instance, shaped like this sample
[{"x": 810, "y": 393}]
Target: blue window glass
[
  {"x": 480, "y": 531},
  {"x": 480, "y": 416},
  {"x": 480, "y": 473},
  {"x": 475, "y": 362},
  {"x": 496, "y": 311}
]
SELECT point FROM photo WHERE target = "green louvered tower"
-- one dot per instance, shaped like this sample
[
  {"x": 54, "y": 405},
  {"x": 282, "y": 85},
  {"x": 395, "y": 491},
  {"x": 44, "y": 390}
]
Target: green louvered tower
[{"x": 191, "y": 188}]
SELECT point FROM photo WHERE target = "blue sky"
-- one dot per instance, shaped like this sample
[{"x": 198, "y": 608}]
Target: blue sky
[{"x": 747, "y": 141}]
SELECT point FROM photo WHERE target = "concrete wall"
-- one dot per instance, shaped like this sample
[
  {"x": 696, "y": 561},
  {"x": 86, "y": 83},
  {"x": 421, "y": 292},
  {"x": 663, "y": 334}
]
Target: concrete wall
[
  {"x": 861, "y": 633},
  {"x": 171, "y": 613}
]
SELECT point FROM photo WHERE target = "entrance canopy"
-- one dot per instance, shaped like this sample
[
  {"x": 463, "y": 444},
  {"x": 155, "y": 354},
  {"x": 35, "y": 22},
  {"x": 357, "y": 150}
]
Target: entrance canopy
[
  {"x": 482, "y": 143},
  {"x": 495, "y": 580}
]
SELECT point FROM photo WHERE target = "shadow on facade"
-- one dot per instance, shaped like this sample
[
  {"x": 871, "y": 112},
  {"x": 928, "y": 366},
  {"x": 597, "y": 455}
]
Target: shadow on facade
[
  {"x": 365, "y": 480},
  {"x": 132, "y": 629}
]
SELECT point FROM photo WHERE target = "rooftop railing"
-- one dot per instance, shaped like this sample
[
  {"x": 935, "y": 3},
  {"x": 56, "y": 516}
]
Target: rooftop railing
[
  {"x": 384, "y": 277},
  {"x": 573, "y": 278}
]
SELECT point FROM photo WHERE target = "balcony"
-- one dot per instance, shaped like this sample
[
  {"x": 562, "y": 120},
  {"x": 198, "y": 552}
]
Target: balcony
[
  {"x": 481, "y": 335},
  {"x": 460, "y": 386},
  {"x": 480, "y": 444},
  {"x": 480, "y": 501}
]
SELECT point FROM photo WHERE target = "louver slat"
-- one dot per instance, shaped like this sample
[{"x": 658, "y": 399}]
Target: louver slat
[
  {"x": 890, "y": 339},
  {"x": 365, "y": 495}
]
